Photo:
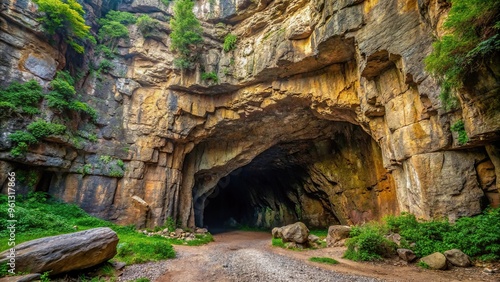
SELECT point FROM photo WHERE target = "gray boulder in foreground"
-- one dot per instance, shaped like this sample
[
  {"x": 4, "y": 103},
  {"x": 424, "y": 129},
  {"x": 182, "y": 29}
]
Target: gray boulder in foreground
[
  {"x": 66, "y": 252},
  {"x": 457, "y": 258},
  {"x": 296, "y": 232}
]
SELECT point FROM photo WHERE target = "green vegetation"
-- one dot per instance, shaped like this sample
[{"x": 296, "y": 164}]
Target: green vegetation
[
  {"x": 65, "y": 18},
  {"x": 36, "y": 131},
  {"x": 476, "y": 236},
  {"x": 278, "y": 242},
  {"x": 210, "y": 76},
  {"x": 186, "y": 33},
  {"x": 105, "y": 159},
  {"x": 114, "y": 27},
  {"x": 39, "y": 216},
  {"x": 143, "y": 279},
  {"x": 230, "y": 42},
  {"x": 367, "y": 243},
  {"x": 28, "y": 178},
  {"x": 45, "y": 276},
  {"x": 20, "y": 98},
  {"x": 85, "y": 169},
  {"x": 114, "y": 166},
  {"x": 459, "y": 127},
  {"x": 106, "y": 51},
  {"x": 61, "y": 96},
  {"x": 472, "y": 39},
  {"x": 323, "y": 260},
  {"x": 166, "y": 2},
  {"x": 147, "y": 25},
  {"x": 41, "y": 129},
  {"x": 423, "y": 265}
]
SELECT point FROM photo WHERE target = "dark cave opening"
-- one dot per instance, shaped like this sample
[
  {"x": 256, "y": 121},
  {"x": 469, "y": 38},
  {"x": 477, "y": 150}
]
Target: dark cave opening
[
  {"x": 338, "y": 178},
  {"x": 268, "y": 192},
  {"x": 247, "y": 195}
]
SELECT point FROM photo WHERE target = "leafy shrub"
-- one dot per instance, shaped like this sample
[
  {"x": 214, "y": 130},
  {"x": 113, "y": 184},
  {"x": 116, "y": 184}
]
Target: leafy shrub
[
  {"x": 323, "y": 260},
  {"x": 82, "y": 107},
  {"x": 21, "y": 136},
  {"x": 230, "y": 42},
  {"x": 182, "y": 64},
  {"x": 21, "y": 97},
  {"x": 147, "y": 25},
  {"x": 61, "y": 96},
  {"x": 367, "y": 243},
  {"x": 66, "y": 19},
  {"x": 37, "y": 130},
  {"x": 473, "y": 27},
  {"x": 210, "y": 76},
  {"x": 62, "y": 92},
  {"x": 186, "y": 31},
  {"x": 105, "y": 66},
  {"x": 41, "y": 129},
  {"x": 459, "y": 127},
  {"x": 114, "y": 27},
  {"x": 106, "y": 51},
  {"x": 476, "y": 236}
]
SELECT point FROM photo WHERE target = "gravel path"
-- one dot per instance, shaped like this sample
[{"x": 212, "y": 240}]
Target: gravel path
[
  {"x": 247, "y": 257},
  {"x": 234, "y": 256}
]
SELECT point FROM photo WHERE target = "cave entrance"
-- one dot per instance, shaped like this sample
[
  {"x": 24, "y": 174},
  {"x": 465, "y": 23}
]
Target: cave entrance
[
  {"x": 257, "y": 195},
  {"x": 277, "y": 187},
  {"x": 334, "y": 179}
]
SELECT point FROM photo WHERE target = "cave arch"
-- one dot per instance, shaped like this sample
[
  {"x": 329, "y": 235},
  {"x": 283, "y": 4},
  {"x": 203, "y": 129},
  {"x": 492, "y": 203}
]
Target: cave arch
[{"x": 333, "y": 177}]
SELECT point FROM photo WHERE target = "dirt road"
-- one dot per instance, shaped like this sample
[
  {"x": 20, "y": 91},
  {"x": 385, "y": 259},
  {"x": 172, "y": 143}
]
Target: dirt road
[{"x": 249, "y": 256}]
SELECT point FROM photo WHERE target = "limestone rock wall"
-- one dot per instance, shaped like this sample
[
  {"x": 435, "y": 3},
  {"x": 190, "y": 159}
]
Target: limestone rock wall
[{"x": 300, "y": 68}]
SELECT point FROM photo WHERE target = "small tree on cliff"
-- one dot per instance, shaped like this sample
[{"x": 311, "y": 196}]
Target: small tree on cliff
[
  {"x": 65, "y": 18},
  {"x": 186, "y": 33}
]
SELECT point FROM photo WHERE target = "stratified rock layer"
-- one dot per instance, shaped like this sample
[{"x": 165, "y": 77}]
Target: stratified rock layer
[{"x": 335, "y": 89}]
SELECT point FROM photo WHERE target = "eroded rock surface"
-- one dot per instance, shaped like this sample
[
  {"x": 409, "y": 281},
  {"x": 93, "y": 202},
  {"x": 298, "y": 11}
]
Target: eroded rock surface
[{"x": 328, "y": 98}]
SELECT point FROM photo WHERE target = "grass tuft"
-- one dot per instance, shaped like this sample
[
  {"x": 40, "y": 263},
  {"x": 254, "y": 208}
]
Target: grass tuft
[{"x": 323, "y": 260}]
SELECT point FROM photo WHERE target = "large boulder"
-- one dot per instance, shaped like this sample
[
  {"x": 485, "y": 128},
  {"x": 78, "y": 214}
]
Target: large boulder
[
  {"x": 337, "y": 233},
  {"x": 457, "y": 258},
  {"x": 64, "y": 253},
  {"x": 296, "y": 232},
  {"x": 435, "y": 261}
]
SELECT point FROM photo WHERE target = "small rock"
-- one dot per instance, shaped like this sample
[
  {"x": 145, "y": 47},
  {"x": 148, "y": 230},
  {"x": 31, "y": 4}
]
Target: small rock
[
  {"x": 406, "y": 255},
  {"x": 457, "y": 258},
  {"x": 337, "y": 233},
  {"x": 435, "y": 261},
  {"x": 395, "y": 237},
  {"x": 118, "y": 265},
  {"x": 313, "y": 238},
  {"x": 490, "y": 270},
  {"x": 200, "y": 230},
  {"x": 178, "y": 232}
]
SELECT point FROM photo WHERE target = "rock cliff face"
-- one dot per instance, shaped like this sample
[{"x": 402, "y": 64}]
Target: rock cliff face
[{"x": 323, "y": 112}]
